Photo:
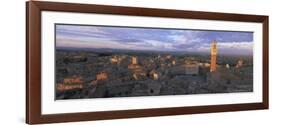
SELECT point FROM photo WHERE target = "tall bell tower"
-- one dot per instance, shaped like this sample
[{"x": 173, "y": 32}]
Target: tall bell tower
[{"x": 213, "y": 66}]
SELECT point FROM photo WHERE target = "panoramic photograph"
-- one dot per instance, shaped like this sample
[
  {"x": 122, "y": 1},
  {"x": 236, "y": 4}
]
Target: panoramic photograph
[{"x": 112, "y": 61}]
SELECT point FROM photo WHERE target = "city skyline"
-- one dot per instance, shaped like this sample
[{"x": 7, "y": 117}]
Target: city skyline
[{"x": 154, "y": 39}]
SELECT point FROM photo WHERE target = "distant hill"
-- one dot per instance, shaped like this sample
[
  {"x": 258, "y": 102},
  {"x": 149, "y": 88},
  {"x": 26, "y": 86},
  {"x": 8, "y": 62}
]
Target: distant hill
[{"x": 130, "y": 51}]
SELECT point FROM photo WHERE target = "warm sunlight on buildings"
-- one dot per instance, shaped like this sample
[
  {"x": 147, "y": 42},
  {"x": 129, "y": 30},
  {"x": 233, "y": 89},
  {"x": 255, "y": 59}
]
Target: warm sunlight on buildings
[
  {"x": 102, "y": 76},
  {"x": 239, "y": 63},
  {"x": 134, "y": 60}
]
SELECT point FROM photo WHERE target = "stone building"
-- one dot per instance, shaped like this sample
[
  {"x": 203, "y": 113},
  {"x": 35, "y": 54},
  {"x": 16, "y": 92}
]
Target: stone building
[
  {"x": 174, "y": 62},
  {"x": 168, "y": 57},
  {"x": 134, "y": 60},
  {"x": 154, "y": 74},
  {"x": 117, "y": 59},
  {"x": 137, "y": 70},
  {"x": 191, "y": 68},
  {"x": 65, "y": 87},
  {"x": 227, "y": 66},
  {"x": 139, "y": 74},
  {"x": 74, "y": 82},
  {"x": 239, "y": 63},
  {"x": 188, "y": 68},
  {"x": 206, "y": 65},
  {"x": 102, "y": 76},
  {"x": 134, "y": 64},
  {"x": 114, "y": 59}
]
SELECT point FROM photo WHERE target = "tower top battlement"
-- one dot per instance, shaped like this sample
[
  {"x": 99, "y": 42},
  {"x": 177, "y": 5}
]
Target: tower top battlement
[
  {"x": 213, "y": 56},
  {"x": 214, "y": 48}
]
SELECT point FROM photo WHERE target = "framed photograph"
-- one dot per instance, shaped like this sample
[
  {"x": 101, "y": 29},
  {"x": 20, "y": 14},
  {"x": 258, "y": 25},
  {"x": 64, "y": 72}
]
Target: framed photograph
[{"x": 94, "y": 62}]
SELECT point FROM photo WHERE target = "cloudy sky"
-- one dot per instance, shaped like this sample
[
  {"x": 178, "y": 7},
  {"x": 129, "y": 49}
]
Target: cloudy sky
[{"x": 77, "y": 36}]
